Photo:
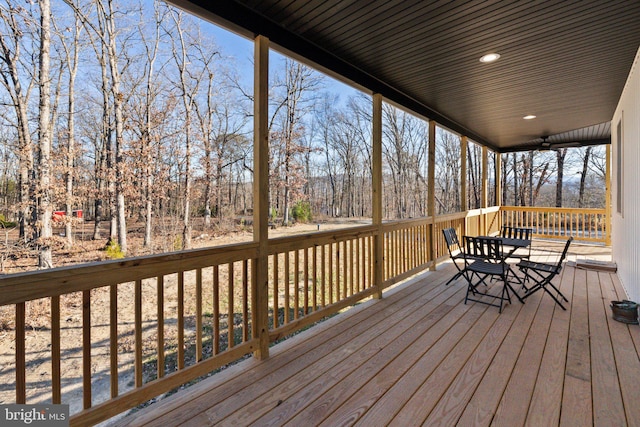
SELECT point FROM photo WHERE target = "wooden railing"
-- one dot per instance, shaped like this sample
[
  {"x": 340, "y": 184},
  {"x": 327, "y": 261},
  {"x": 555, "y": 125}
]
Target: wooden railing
[
  {"x": 141, "y": 327},
  {"x": 590, "y": 225}
]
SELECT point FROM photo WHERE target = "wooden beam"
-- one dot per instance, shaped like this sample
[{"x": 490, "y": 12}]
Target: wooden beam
[
  {"x": 260, "y": 268},
  {"x": 378, "y": 242},
  {"x": 431, "y": 181}
]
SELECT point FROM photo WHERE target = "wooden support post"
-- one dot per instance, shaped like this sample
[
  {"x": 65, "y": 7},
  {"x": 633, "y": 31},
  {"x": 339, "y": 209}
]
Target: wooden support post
[
  {"x": 463, "y": 174},
  {"x": 498, "y": 186},
  {"x": 485, "y": 188},
  {"x": 485, "y": 177},
  {"x": 260, "y": 267},
  {"x": 607, "y": 202},
  {"x": 431, "y": 202},
  {"x": 498, "y": 177},
  {"x": 376, "y": 177}
]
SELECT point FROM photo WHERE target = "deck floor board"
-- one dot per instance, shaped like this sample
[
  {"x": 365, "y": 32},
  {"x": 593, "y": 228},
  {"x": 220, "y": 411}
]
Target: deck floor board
[{"x": 420, "y": 356}]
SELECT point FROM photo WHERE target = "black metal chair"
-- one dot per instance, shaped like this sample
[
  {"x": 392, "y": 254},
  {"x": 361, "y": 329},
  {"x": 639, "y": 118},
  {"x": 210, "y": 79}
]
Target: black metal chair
[
  {"x": 542, "y": 273},
  {"x": 484, "y": 259},
  {"x": 455, "y": 251},
  {"x": 520, "y": 233}
]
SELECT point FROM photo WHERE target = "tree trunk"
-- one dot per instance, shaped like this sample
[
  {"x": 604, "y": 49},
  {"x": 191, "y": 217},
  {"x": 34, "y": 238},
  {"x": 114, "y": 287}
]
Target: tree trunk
[
  {"x": 560, "y": 156},
  {"x": 583, "y": 176},
  {"x": 73, "y": 71},
  {"x": 98, "y": 206},
  {"x": 44, "y": 138}
]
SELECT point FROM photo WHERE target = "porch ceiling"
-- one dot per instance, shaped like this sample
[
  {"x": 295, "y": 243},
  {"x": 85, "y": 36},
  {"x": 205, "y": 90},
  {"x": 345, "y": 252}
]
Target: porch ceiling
[{"x": 564, "y": 61}]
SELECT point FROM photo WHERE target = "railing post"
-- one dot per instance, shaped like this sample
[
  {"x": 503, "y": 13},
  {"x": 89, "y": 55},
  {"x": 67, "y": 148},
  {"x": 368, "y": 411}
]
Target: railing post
[
  {"x": 431, "y": 203},
  {"x": 378, "y": 242},
  {"x": 260, "y": 278}
]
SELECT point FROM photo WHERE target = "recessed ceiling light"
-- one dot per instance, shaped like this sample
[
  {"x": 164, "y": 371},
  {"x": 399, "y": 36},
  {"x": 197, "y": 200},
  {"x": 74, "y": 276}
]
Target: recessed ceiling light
[
  {"x": 490, "y": 57},
  {"x": 529, "y": 117}
]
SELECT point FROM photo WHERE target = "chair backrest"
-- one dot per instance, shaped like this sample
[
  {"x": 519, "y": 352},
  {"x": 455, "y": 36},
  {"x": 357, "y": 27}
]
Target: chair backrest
[
  {"x": 564, "y": 252},
  {"x": 523, "y": 233},
  {"x": 557, "y": 267},
  {"x": 488, "y": 248},
  {"x": 451, "y": 238}
]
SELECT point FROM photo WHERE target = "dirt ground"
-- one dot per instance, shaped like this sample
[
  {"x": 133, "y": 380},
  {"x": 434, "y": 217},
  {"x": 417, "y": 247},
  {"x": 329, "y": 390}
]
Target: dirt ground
[{"x": 38, "y": 335}]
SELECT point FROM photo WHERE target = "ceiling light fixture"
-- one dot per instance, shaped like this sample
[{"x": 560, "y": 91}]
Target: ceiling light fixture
[
  {"x": 490, "y": 57},
  {"x": 529, "y": 117}
]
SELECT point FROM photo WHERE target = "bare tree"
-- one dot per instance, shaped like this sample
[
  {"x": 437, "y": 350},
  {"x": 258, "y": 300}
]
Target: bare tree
[
  {"x": 586, "y": 157},
  {"x": 16, "y": 28},
  {"x": 71, "y": 54},
  {"x": 188, "y": 83},
  {"x": 108, "y": 56},
  {"x": 474, "y": 175},
  {"x": 151, "y": 48},
  {"x": 448, "y": 172},
  {"x": 405, "y": 149},
  {"x": 45, "y": 133},
  {"x": 561, "y": 154},
  {"x": 292, "y": 103}
]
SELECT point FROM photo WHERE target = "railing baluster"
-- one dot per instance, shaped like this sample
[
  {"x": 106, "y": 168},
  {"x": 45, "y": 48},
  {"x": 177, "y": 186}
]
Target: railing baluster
[
  {"x": 113, "y": 339},
  {"x": 231, "y": 337},
  {"x": 323, "y": 275},
  {"x": 331, "y": 278},
  {"x": 296, "y": 284},
  {"x": 198, "y": 315},
  {"x": 21, "y": 365},
  {"x": 56, "y": 392},
  {"x": 276, "y": 276},
  {"x": 306, "y": 281},
  {"x": 348, "y": 244},
  {"x": 245, "y": 300},
  {"x": 160, "y": 316},
  {"x": 180, "y": 320},
  {"x": 86, "y": 349},
  {"x": 343, "y": 268},
  {"x": 371, "y": 261},
  {"x": 365, "y": 266},
  {"x": 314, "y": 278},
  {"x": 216, "y": 309},
  {"x": 338, "y": 273},
  {"x": 358, "y": 264},
  {"x": 398, "y": 256},
  {"x": 138, "y": 333},
  {"x": 388, "y": 254},
  {"x": 287, "y": 283}
]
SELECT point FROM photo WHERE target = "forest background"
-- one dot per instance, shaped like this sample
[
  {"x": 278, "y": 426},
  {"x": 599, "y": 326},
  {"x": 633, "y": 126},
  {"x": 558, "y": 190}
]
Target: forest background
[{"x": 133, "y": 114}]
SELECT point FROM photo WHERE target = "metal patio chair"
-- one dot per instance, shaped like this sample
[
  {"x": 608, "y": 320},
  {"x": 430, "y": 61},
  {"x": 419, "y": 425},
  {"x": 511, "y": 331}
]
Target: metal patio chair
[
  {"x": 455, "y": 251},
  {"x": 484, "y": 259},
  {"x": 519, "y": 233},
  {"x": 542, "y": 273}
]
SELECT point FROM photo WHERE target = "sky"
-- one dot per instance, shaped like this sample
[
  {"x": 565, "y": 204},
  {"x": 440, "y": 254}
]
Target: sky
[{"x": 241, "y": 49}]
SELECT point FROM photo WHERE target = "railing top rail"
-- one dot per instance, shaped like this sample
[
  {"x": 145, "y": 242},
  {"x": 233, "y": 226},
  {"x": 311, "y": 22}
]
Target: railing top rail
[
  {"x": 302, "y": 241},
  {"x": 20, "y": 287},
  {"x": 553, "y": 209}
]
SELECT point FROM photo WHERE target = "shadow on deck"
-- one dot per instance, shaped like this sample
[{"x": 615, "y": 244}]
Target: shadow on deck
[{"x": 421, "y": 356}]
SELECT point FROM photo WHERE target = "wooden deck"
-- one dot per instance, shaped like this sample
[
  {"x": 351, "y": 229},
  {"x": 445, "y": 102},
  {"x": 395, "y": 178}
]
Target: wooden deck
[{"x": 420, "y": 356}]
